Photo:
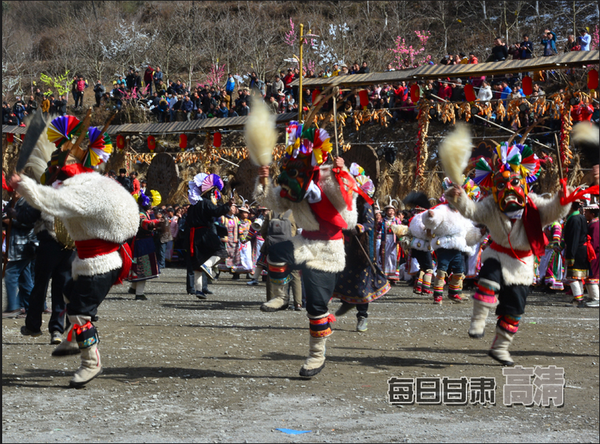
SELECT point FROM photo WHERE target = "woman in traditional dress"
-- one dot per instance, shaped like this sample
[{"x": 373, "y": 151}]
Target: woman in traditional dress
[
  {"x": 245, "y": 264},
  {"x": 145, "y": 264},
  {"x": 389, "y": 244},
  {"x": 362, "y": 281},
  {"x": 555, "y": 266},
  {"x": 231, "y": 222},
  {"x": 204, "y": 236}
]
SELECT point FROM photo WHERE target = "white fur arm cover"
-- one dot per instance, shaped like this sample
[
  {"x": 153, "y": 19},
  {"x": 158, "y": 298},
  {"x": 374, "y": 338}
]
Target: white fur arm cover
[
  {"x": 477, "y": 212},
  {"x": 49, "y": 200},
  {"x": 550, "y": 209},
  {"x": 324, "y": 255},
  {"x": 268, "y": 195},
  {"x": 91, "y": 206}
]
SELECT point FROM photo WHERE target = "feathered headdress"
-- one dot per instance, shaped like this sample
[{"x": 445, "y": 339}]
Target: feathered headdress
[
  {"x": 304, "y": 141},
  {"x": 63, "y": 129},
  {"x": 201, "y": 183},
  {"x": 146, "y": 201},
  {"x": 470, "y": 187},
  {"x": 364, "y": 182},
  {"x": 517, "y": 158},
  {"x": 99, "y": 149},
  {"x": 142, "y": 199}
]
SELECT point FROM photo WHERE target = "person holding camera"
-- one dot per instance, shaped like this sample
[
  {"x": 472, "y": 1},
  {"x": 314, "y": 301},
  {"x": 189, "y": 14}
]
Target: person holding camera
[
  {"x": 526, "y": 48},
  {"x": 549, "y": 42},
  {"x": 499, "y": 51}
]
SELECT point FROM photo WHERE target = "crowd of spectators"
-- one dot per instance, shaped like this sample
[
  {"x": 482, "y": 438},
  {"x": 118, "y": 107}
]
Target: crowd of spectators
[{"x": 174, "y": 100}]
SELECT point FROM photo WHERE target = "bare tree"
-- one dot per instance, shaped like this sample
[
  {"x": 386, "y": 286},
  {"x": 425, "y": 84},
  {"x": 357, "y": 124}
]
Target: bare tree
[
  {"x": 578, "y": 8},
  {"x": 441, "y": 14},
  {"x": 187, "y": 18}
]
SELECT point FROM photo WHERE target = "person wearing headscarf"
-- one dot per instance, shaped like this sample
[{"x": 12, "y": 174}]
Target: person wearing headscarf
[
  {"x": 205, "y": 246},
  {"x": 362, "y": 281},
  {"x": 145, "y": 264}
]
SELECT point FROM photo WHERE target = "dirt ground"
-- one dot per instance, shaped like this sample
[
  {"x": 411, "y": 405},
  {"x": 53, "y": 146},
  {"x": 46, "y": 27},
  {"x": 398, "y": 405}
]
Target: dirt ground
[{"x": 177, "y": 369}]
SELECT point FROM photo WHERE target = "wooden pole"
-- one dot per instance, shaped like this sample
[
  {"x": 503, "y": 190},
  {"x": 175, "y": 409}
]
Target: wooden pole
[
  {"x": 300, "y": 79},
  {"x": 335, "y": 123},
  {"x": 558, "y": 159}
]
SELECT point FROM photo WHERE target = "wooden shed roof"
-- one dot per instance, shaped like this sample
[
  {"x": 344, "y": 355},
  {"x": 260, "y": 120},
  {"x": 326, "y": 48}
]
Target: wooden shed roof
[{"x": 563, "y": 61}]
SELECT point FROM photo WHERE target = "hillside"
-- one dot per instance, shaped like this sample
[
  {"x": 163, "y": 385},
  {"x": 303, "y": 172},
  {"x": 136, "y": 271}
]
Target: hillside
[{"x": 101, "y": 39}]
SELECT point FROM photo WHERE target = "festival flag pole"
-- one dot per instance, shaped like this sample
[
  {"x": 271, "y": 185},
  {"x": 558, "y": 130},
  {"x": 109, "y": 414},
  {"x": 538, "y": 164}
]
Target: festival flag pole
[
  {"x": 335, "y": 128},
  {"x": 300, "y": 79}
]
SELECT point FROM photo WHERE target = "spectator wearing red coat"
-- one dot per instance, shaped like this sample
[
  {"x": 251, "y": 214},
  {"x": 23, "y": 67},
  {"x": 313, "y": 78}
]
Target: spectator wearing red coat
[
  {"x": 445, "y": 91},
  {"x": 148, "y": 79},
  {"x": 136, "y": 183},
  {"x": 582, "y": 112},
  {"x": 401, "y": 94}
]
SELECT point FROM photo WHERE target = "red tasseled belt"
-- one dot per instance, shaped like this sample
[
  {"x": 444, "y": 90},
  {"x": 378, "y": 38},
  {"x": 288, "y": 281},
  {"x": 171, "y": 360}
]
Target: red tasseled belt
[{"x": 90, "y": 248}]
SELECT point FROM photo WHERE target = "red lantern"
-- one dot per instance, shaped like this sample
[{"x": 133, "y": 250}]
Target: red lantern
[
  {"x": 217, "y": 140},
  {"x": 592, "y": 80},
  {"x": 470, "y": 93},
  {"x": 415, "y": 93},
  {"x": 10, "y": 137},
  {"x": 527, "y": 86},
  {"x": 151, "y": 143},
  {"x": 120, "y": 141},
  {"x": 183, "y": 141},
  {"x": 363, "y": 95}
]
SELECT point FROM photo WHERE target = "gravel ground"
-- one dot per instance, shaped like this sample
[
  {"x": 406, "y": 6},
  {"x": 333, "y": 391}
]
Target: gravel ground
[{"x": 177, "y": 369}]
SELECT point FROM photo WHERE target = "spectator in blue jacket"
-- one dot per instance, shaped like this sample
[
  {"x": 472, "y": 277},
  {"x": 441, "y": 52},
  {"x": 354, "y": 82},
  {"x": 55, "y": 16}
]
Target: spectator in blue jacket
[
  {"x": 506, "y": 91},
  {"x": 157, "y": 76},
  {"x": 549, "y": 42},
  {"x": 188, "y": 108},
  {"x": 584, "y": 40},
  {"x": 223, "y": 111},
  {"x": 230, "y": 85}
]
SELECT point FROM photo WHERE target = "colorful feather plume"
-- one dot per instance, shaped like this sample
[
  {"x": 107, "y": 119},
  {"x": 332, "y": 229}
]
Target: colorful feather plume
[
  {"x": 99, "y": 149},
  {"x": 517, "y": 158},
  {"x": 62, "y": 129},
  {"x": 302, "y": 141}
]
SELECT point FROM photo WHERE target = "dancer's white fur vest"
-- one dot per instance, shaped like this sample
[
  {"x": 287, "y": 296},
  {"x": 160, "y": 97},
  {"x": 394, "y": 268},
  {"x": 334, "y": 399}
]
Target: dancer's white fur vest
[
  {"x": 91, "y": 206},
  {"x": 487, "y": 212},
  {"x": 321, "y": 255},
  {"x": 450, "y": 230},
  {"x": 420, "y": 239}
]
